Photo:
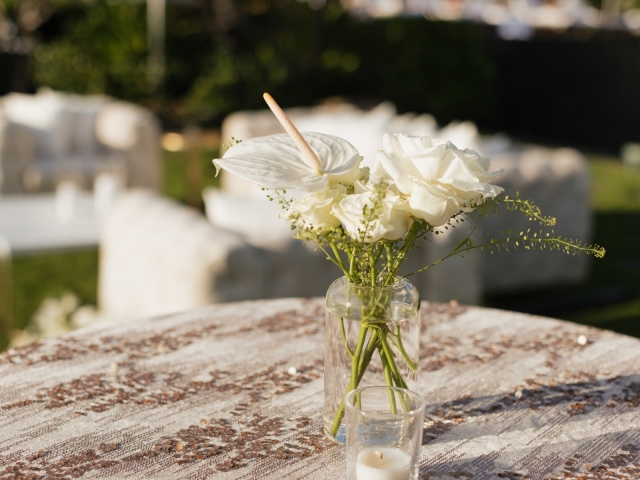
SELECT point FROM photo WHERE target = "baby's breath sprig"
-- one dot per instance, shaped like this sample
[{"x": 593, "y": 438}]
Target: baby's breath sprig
[
  {"x": 228, "y": 144},
  {"x": 510, "y": 239},
  {"x": 526, "y": 207},
  {"x": 283, "y": 201},
  {"x": 379, "y": 263}
]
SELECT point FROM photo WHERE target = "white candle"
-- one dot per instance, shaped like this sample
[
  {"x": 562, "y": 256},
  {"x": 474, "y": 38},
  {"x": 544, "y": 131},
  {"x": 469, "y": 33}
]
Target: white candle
[{"x": 383, "y": 463}]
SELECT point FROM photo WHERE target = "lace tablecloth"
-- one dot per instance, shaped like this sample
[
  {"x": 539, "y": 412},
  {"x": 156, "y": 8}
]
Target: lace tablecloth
[{"x": 235, "y": 391}]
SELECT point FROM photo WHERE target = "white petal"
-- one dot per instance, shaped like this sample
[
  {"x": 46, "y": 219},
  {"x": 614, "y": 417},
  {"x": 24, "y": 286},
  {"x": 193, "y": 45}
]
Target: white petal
[
  {"x": 395, "y": 171},
  {"x": 433, "y": 204},
  {"x": 336, "y": 155},
  {"x": 275, "y": 162}
]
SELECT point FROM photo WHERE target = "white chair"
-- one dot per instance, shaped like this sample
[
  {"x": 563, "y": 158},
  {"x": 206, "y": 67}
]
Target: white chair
[
  {"x": 51, "y": 136},
  {"x": 157, "y": 257}
]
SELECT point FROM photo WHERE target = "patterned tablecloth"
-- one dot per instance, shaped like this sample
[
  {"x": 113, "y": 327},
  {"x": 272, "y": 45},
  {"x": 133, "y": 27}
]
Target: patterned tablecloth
[{"x": 212, "y": 394}]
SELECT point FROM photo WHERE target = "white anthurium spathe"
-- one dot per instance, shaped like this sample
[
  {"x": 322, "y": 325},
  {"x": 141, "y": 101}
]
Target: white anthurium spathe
[
  {"x": 275, "y": 162},
  {"x": 314, "y": 209},
  {"x": 390, "y": 222}
]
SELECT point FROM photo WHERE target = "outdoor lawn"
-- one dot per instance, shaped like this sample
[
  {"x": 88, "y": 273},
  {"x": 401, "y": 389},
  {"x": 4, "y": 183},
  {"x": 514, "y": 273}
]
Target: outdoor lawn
[{"x": 610, "y": 299}]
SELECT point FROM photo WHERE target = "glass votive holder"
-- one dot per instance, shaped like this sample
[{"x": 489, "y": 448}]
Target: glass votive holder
[{"x": 384, "y": 433}]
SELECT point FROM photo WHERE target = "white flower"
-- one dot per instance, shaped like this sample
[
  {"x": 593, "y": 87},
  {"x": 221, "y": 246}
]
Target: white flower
[
  {"x": 439, "y": 178},
  {"x": 434, "y": 204},
  {"x": 369, "y": 218},
  {"x": 354, "y": 175},
  {"x": 405, "y": 157},
  {"x": 314, "y": 209},
  {"x": 276, "y": 162}
]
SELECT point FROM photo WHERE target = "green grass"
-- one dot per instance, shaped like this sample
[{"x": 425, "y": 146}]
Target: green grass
[
  {"x": 615, "y": 197},
  {"x": 616, "y": 202},
  {"x": 615, "y": 187},
  {"x": 618, "y": 271},
  {"x": 175, "y": 174},
  {"x": 37, "y": 276}
]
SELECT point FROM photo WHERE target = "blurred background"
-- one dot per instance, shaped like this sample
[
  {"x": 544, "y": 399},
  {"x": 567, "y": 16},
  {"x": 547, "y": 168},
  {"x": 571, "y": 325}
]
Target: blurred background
[{"x": 112, "y": 110}]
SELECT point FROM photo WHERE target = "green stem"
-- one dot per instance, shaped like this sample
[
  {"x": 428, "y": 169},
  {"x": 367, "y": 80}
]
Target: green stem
[
  {"x": 389, "y": 366},
  {"x": 372, "y": 268},
  {"x": 352, "y": 260},
  {"x": 415, "y": 230},
  {"x": 340, "y": 262},
  {"x": 389, "y": 266},
  {"x": 458, "y": 249},
  {"x": 354, "y": 364},
  {"x": 366, "y": 356},
  {"x": 387, "y": 378},
  {"x": 344, "y": 338},
  {"x": 392, "y": 363},
  {"x": 353, "y": 382},
  {"x": 398, "y": 343},
  {"x": 341, "y": 267}
]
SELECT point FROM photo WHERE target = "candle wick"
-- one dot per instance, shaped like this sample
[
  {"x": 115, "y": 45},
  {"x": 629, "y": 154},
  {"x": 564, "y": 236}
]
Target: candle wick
[{"x": 379, "y": 454}]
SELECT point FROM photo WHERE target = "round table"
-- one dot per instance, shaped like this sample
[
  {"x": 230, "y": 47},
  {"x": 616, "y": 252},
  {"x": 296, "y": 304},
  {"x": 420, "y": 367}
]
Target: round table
[{"x": 235, "y": 391}]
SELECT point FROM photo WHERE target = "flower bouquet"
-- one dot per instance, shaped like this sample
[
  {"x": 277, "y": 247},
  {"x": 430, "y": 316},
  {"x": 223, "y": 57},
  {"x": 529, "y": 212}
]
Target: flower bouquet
[{"x": 366, "y": 220}]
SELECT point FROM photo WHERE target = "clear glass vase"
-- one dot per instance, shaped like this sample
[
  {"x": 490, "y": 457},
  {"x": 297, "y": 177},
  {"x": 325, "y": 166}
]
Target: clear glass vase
[{"x": 371, "y": 338}]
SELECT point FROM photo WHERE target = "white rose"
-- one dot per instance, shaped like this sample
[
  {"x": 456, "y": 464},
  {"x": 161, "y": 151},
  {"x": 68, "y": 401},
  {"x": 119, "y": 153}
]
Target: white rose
[
  {"x": 391, "y": 222},
  {"x": 439, "y": 178},
  {"x": 314, "y": 209},
  {"x": 405, "y": 157},
  {"x": 434, "y": 204},
  {"x": 468, "y": 173}
]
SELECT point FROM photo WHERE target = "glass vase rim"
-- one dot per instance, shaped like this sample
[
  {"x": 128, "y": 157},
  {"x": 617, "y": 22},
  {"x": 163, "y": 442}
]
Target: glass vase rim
[{"x": 422, "y": 402}]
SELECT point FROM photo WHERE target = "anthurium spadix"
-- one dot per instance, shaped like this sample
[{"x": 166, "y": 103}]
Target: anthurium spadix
[
  {"x": 275, "y": 161},
  {"x": 308, "y": 161}
]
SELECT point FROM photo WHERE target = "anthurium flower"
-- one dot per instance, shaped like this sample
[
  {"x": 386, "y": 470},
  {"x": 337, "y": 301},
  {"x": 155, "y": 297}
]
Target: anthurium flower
[
  {"x": 308, "y": 161},
  {"x": 275, "y": 161}
]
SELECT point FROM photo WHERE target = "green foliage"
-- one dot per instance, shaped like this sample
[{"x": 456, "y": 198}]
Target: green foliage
[
  {"x": 175, "y": 174},
  {"x": 300, "y": 55},
  {"x": 99, "y": 48},
  {"x": 615, "y": 187},
  {"x": 39, "y": 276},
  {"x": 221, "y": 57}
]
